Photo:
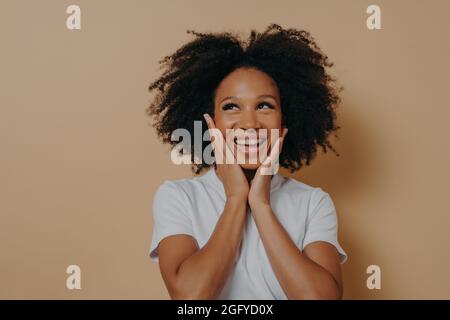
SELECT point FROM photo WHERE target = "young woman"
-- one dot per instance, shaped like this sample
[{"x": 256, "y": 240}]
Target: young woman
[{"x": 234, "y": 232}]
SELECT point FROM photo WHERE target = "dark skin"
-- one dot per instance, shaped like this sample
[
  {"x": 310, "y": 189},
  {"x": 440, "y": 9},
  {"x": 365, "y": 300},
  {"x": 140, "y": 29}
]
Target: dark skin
[{"x": 248, "y": 99}]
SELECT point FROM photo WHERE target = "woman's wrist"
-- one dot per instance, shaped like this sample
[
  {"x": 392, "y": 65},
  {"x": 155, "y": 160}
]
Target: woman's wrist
[
  {"x": 237, "y": 199},
  {"x": 260, "y": 207}
]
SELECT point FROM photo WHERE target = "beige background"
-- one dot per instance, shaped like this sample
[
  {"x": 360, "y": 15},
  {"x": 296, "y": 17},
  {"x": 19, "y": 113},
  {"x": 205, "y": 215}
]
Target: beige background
[{"x": 80, "y": 162}]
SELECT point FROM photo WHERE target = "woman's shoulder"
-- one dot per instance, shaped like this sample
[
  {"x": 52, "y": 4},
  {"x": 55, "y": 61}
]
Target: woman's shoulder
[
  {"x": 184, "y": 185},
  {"x": 290, "y": 184},
  {"x": 302, "y": 193}
]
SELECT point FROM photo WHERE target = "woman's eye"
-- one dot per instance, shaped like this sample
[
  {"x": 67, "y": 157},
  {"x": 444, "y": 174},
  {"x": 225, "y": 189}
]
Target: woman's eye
[
  {"x": 229, "y": 106},
  {"x": 265, "y": 105}
]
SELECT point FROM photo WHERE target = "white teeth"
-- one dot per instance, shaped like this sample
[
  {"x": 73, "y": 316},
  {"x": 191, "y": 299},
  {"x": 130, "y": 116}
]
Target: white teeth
[{"x": 250, "y": 142}]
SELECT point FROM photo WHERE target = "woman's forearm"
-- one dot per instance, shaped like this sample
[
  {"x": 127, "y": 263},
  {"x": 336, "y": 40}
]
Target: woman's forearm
[
  {"x": 299, "y": 276},
  {"x": 203, "y": 275}
]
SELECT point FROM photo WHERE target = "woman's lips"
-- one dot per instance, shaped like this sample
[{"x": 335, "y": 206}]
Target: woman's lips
[{"x": 249, "y": 145}]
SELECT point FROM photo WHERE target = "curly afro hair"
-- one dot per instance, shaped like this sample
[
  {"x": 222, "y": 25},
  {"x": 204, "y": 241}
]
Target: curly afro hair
[{"x": 308, "y": 94}]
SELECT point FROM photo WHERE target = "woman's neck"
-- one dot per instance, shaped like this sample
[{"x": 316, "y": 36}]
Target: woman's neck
[{"x": 249, "y": 174}]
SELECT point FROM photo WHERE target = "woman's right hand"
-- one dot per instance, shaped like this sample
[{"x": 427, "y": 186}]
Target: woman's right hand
[{"x": 233, "y": 178}]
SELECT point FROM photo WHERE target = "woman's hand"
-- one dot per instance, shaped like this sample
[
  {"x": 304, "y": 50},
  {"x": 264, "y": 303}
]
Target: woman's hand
[
  {"x": 233, "y": 178},
  {"x": 259, "y": 194}
]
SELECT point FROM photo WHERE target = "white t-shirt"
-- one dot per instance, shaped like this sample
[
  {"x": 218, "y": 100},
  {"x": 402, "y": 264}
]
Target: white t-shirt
[{"x": 193, "y": 207}]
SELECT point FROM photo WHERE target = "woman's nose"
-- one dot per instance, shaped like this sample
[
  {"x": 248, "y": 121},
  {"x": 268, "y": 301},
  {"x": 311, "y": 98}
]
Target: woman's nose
[{"x": 248, "y": 120}]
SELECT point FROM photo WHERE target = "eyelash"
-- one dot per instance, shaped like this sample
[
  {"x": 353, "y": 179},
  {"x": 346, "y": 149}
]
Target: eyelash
[{"x": 228, "y": 106}]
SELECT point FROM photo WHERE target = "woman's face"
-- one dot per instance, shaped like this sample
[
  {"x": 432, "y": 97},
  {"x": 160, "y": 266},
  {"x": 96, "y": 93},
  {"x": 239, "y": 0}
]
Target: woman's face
[{"x": 248, "y": 99}]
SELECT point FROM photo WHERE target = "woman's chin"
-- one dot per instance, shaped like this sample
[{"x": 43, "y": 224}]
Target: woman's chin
[
  {"x": 250, "y": 166},
  {"x": 249, "y": 161}
]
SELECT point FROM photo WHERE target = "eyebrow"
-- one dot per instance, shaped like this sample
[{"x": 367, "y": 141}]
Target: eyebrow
[{"x": 260, "y": 96}]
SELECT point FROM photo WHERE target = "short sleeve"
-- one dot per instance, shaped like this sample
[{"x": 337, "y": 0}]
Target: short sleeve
[
  {"x": 322, "y": 223},
  {"x": 171, "y": 215}
]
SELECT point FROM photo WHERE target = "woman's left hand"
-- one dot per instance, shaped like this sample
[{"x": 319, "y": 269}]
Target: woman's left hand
[{"x": 259, "y": 194}]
